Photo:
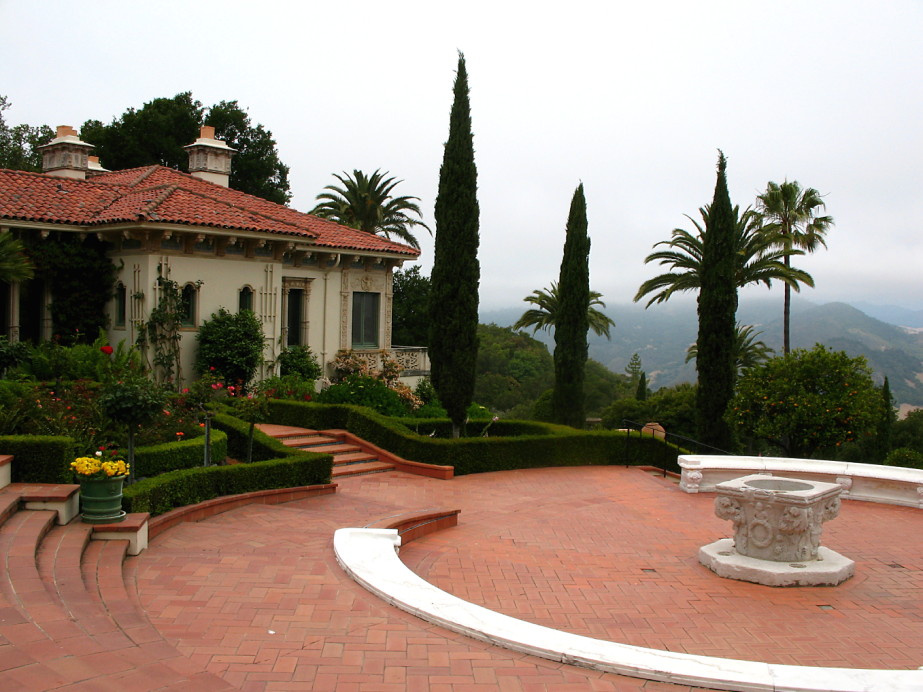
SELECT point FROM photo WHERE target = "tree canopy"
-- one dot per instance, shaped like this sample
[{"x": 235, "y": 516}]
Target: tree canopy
[
  {"x": 571, "y": 320},
  {"x": 545, "y": 312},
  {"x": 409, "y": 319},
  {"x": 157, "y": 133},
  {"x": 792, "y": 211},
  {"x": 807, "y": 400},
  {"x": 365, "y": 202},
  {"x": 453, "y": 309},
  {"x": 717, "y": 310},
  {"x": 758, "y": 258},
  {"x": 748, "y": 352},
  {"x": 19, "y": 144},
  {"x": 14, "y": 264}
]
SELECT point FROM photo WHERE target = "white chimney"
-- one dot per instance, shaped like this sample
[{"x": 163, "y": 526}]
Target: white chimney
[
  {"x": 210, "y": 158},
  {"x": 66, "y": 156}
]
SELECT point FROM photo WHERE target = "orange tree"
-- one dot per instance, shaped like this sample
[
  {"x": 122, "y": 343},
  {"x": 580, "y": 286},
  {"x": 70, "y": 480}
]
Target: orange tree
[{"x": 807, "y": 401}]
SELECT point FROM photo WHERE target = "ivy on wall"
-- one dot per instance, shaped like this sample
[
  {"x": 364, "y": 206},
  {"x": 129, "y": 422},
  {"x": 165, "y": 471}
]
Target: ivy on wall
[{"x": 81, "y": 279}]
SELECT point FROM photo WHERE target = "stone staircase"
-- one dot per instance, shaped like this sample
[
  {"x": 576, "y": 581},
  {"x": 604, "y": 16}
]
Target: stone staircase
[
  {"x": 69, "y": 618},
  {"x": 352, "y": 456}
]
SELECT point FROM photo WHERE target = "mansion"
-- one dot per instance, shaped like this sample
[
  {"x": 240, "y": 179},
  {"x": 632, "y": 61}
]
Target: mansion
[{"x": 310, "y": 281}]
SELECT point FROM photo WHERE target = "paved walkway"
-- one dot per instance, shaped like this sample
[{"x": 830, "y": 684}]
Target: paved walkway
[{"x": 255, "y": 595}]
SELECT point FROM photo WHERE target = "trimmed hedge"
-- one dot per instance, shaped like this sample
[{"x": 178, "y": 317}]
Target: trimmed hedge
[
  {"x": 40, "y": 458},
  {"x": 542, "y": 445},
  {"x": 442, "y": 427},
  {"x": 238, "y": 431},
  {"x": 172, "y": 456},
  {"x": 190, "y": 486}
]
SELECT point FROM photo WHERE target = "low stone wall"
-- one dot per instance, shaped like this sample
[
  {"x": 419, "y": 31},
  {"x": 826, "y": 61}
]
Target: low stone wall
[{"x": 892, "y": 485}]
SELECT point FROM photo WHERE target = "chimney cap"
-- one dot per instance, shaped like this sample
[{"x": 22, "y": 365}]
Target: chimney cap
[
  {"x": 207, "y": 139},
  {"x": 66, "y": 133}
]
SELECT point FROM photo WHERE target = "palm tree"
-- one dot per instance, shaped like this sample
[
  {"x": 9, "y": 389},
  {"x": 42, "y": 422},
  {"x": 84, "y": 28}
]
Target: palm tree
[
  {"x": 14, "y": 265},
  {"x": 793, "y": 213},
  {"x": 544, "y": 315},
  {"x": 365, "y": 202},
  {"x": 747, "y": 352},
  {"x": 761, "y": 259}
]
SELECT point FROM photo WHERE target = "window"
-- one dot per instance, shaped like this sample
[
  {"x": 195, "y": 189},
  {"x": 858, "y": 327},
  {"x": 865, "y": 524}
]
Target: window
[
  {"x": 294, "y": 316},
  {"x": 365, "y": 319},
  {"x": 120, "y": 304},
  {"x": 189, "y": 305},
  {"x": 245, "y": 299}
]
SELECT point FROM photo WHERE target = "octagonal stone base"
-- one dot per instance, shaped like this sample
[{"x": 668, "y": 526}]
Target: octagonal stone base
[{"x": 829, "y": 569}]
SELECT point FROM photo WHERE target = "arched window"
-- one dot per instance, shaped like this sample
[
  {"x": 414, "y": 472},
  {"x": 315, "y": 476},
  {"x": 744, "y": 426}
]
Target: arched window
[
  {"x": 120, "y": 304},
  {"x": 245, "y": 299},
  {"x": 190, "y": 299}
]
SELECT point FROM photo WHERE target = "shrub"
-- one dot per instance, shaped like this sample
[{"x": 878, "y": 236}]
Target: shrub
[
  {"x": 904, "y": 456},
  {"x": 39, "y": 458},
  {"x": 186, "y": 454},
  {"x": 362, "y": 390},
  {"x": 292, "y": 387},
  {"x": 539, "y": 445},
  {"x": 300, "y": 361},
  {"x": 232, "y": 344},
  {"x": 191, "y": 486}
]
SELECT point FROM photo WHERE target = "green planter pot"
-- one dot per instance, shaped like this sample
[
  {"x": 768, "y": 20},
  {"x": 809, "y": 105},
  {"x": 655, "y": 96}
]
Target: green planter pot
[{"x": 101, "y": 500}]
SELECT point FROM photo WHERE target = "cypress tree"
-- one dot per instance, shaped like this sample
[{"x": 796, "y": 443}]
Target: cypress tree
[
  {"x": 717, "y": 309},
  {"x": 641, "y": 391},
  {"x": 453, "y": 307},
  {"x": 572, "y": 323}
]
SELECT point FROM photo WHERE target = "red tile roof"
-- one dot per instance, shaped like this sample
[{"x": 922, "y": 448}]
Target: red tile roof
[{"x": 155, "y": 194}]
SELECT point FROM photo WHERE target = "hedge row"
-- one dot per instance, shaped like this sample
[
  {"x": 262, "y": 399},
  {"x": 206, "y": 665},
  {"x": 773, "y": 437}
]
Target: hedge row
[
  {"x": 237, "y": 433},
  {"x": 173, "y": 456},
  {"x": 190, "y": 486},
  {"x": 39, "y": 458},
  {"x": 541, "y": 445},
  {"x": 274, "y": 466},
  {"x": 47, "y": 459}
]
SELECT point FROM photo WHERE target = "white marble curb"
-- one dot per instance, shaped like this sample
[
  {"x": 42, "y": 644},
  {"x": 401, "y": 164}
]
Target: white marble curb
[{"x": 370, "y": 557}]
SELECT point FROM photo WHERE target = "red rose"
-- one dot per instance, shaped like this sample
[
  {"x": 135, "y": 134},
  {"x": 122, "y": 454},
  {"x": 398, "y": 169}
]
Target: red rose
[{"x": 107, "y": 350}]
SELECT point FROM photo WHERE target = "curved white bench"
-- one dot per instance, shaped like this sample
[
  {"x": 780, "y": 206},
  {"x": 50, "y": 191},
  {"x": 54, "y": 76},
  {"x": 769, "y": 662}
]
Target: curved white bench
[
  {"x": 892, "y": 485},
  {"x": 370, "y": 557}
]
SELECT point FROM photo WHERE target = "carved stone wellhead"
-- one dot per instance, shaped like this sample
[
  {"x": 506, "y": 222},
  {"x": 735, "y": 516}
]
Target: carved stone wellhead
[{"x": 777, "y": 527}]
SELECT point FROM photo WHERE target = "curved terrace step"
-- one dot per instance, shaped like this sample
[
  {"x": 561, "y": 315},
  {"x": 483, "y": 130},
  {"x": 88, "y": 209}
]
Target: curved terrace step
[
  {"x": 68, "y": 617},
  {"x": 351, "y": 454}
]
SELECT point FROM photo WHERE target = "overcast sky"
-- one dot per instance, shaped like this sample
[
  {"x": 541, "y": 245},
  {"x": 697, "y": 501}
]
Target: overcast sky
[{"x": 632, "y": 99}]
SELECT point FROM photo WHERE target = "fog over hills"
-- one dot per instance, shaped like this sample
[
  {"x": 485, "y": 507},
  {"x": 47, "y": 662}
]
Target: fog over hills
[{"x": 662, "y": 333}]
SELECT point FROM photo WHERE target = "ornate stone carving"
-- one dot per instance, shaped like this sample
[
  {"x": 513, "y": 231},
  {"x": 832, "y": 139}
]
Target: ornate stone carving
[
  {"x": 777, "y": 519},
  {"x": 691, "y": 480}
]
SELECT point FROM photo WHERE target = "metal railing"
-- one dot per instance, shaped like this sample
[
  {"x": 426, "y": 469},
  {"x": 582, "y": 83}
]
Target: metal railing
[{"x": 646, "y": 430}]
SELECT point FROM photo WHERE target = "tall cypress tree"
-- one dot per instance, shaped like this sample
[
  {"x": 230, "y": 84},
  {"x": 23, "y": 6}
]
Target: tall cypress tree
[
  {"x": 453, "y": 308},
  {"x": 571, "y": 325},
  {"x": 717, "y": 309}
]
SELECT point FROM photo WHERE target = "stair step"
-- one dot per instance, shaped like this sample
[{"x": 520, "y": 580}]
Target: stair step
[
  {"x": 361, "y": 469},
  {"x": 60, "y": 562},
  {"x": 9, "y": 503},
  {"x": 334, "y": 449},
  {"x": 312, "y": 440},
  {"x": 32, "y": 596},
  {"x": 124, "y": 609},
  {"x": 281, "y": 432},
  {"x": 352, "y": 458}
]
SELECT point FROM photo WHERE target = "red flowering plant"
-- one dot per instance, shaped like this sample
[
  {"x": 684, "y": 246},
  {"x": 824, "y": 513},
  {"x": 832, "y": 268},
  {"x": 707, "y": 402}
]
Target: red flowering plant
[{"x": 71, "y": 410}]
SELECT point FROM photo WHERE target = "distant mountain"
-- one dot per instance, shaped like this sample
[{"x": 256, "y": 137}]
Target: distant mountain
[
  {"x": 892, "y": 314},
  {"x": 661, "y": 335}
]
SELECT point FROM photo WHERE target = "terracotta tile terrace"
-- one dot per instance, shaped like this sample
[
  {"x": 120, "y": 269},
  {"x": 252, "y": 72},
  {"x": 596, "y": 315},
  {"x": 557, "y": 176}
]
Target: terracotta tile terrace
[
  {"x": 255, "y": 596},
  {"x": 253, "y": 599}
]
